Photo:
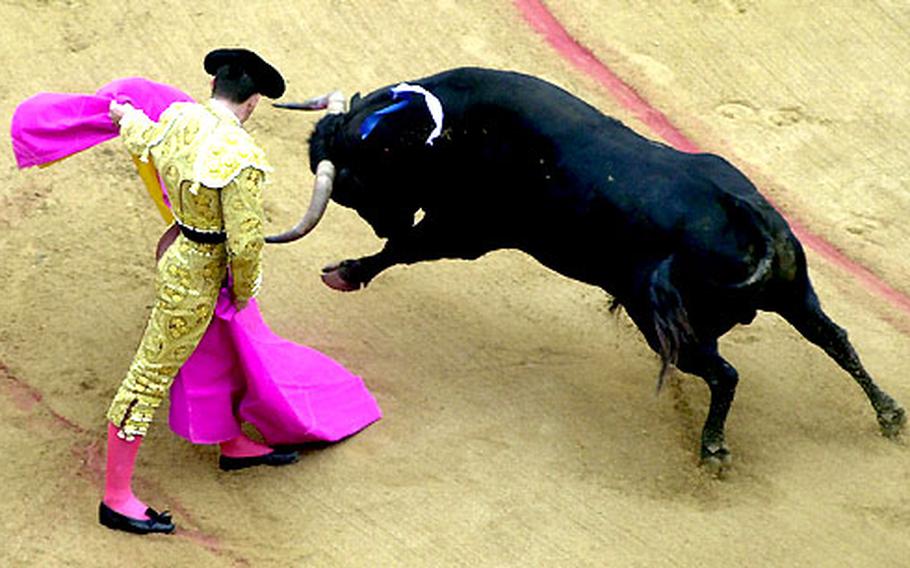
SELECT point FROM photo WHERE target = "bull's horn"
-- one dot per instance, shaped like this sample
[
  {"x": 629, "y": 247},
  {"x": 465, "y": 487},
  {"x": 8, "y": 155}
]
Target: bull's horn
[
  {"x": 333, "y": 103},
  {"x": 318, "y": 103},
  {"x": 322, "y": 190},
  {"x": 337, "y": 104}
]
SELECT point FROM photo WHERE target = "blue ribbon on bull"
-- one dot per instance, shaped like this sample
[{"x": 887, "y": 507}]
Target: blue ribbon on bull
[
  {"x": 370, "y": 122},
  {"x": 408, "y": 93}
]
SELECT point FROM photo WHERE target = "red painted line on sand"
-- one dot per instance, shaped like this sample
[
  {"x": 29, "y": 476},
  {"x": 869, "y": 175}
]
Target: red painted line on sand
[
  {"x": 542, "y": 21},
  {"x": 28, "y": 399}
]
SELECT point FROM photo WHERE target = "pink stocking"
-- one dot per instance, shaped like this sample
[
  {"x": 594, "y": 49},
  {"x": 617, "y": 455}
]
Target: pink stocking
[
  {"x": 243, "y": 447},
  {"x": 118, "y": 476}
]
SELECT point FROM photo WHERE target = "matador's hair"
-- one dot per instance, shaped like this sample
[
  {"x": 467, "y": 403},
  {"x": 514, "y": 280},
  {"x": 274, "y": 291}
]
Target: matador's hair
[{"x": 233, "y": 83}]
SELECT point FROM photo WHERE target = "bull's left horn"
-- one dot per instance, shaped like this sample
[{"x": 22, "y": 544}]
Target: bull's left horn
[
  {"x": 318, "y": 103},
  {"x": 322, "y": 191},
  {"x": 333, "y": 103},
  {"x": 337, "y": 104}
]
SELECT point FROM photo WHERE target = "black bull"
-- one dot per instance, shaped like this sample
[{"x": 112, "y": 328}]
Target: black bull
[{"x": 684, "y": 242}]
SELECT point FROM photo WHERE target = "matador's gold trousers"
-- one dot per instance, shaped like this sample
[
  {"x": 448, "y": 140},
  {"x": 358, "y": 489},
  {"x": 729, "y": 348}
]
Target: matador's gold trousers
[{"x": 190, "y": 276}]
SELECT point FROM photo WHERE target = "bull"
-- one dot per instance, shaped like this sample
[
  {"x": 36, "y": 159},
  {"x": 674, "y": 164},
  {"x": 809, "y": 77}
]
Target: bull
[{"x": 684, "y": 242}]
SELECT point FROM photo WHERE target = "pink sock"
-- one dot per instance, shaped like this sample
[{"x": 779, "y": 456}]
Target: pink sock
[
  {"x": 243, "y": 447},
  {"x": 118, "y": 476}
]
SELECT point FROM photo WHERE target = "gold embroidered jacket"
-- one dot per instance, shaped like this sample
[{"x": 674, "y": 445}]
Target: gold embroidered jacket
[{"x": 213, "y": 172}]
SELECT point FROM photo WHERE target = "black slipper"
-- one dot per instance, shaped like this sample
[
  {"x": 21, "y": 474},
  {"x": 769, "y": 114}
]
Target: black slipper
[
  {"x": 156, "y": 522},
  {"x": 274, "y": 458}
]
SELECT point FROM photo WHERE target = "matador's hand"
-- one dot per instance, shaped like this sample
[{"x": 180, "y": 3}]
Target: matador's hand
[{"x": 117, "y": 110}]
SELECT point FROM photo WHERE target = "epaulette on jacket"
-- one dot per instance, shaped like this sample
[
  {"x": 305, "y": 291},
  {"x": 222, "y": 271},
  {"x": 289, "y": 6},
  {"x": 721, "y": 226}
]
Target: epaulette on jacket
[{"x": 226, "y": 153}]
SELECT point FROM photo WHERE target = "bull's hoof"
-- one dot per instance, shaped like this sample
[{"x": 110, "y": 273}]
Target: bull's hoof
[
  {"x": 892, "y": 422},
  {"x": 338, "y": 276},
  {"x": 715, "y": 459},
  {"x": 336, "y": 281}
]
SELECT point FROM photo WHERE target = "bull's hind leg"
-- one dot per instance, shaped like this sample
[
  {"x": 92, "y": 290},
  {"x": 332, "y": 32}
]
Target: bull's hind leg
[
  {"x": 809, "y": 319},
  {"x": 691, "y": 346},
  {"x": 721, "y": 377}
]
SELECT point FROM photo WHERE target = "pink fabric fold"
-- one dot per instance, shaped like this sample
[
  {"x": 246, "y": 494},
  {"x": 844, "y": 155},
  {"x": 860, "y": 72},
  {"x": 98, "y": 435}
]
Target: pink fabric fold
[
  {"x": 241, "y": 370},
  {"x": 291, "y": 393},
  {"x": 51, "y": 126}
]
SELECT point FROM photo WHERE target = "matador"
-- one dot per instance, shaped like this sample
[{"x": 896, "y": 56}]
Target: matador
[{"x": 213, "y": 172}]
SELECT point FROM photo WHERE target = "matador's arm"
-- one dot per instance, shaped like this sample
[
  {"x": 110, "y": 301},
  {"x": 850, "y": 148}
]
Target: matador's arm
[
  {"x": 241, "y": 202},
  {"x": 139, "y": 132}
]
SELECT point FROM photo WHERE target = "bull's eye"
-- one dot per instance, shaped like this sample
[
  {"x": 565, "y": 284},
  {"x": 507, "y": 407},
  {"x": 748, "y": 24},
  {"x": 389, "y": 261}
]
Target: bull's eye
[{"x": 418, "y": 216}]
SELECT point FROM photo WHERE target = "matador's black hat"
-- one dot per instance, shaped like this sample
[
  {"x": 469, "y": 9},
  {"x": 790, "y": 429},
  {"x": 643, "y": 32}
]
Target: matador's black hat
[{"x": 267, "y": 79}]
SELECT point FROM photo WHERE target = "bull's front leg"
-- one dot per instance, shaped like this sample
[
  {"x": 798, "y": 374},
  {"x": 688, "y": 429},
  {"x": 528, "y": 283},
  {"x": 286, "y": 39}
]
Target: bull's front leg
[
  {"x": 354, "y": 274},
  {"x": 427, "y": 240}
]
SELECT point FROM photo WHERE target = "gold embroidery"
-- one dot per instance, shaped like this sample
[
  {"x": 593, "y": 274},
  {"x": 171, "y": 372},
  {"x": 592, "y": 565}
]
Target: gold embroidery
[
  {"x": 225, "y": 195},
  {"x": 178, "y": 320}
]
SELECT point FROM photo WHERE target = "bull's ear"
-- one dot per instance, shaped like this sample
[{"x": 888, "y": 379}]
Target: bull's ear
[{"x": 354, "y": 100}]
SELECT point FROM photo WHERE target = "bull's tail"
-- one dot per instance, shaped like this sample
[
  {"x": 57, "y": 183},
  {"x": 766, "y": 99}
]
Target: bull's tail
[
  {"x": 745, "y": 214},
  {"x": 762, "y": 270},
  {"x": 671, "y": 322}
]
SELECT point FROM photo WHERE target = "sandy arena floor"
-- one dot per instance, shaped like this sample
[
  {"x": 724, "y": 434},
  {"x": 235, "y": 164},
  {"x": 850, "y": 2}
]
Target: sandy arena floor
[{"x": 521, "y": 426}]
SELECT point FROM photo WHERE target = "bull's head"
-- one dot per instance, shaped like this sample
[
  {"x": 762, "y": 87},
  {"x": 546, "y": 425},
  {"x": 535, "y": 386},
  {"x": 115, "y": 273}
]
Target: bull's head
[{"x": 334, "y": 103}]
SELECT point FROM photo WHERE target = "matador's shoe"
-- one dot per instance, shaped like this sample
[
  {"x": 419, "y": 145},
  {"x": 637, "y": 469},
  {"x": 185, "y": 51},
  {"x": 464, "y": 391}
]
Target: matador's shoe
[
  {"x": 156, "y": 522},
  {"x": 273, "y": 458}
]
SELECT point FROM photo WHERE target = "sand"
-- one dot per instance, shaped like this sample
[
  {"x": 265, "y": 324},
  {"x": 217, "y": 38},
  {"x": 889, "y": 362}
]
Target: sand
[{"x": 521, "y": 426}]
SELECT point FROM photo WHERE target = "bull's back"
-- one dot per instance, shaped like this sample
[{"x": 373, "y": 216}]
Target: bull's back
[
  {"x": 536, "y": 109},
  {"x": 536, "y": 142},
  {"x": 562, "y": 172},
  {"x": 547, "y": 148}
]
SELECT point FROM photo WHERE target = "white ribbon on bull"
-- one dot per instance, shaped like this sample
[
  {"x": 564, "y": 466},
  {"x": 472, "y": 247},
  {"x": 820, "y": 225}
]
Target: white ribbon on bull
[
  {"x": 434, "y": 106},
  {"x": 335, "y": 103}
]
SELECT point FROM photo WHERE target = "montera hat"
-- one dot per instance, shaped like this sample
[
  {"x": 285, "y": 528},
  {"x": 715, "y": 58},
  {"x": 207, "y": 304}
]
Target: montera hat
[{"x": 267, "y": 79}]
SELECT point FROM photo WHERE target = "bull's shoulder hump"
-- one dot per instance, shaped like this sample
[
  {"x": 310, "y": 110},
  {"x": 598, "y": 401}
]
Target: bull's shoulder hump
[
  {"x": 484, "y": 78},
  {"x": 511, "y": 92}
]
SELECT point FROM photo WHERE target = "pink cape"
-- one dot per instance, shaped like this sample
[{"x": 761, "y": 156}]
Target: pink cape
[
  {"x": 289, "y": 392},
  {"x": 241, "y": 370},
  {"x": 51, "y": 126}
]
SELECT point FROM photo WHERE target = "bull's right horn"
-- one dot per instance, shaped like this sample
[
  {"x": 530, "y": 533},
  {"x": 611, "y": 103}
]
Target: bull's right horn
[{"x": 322, "y": 191}]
